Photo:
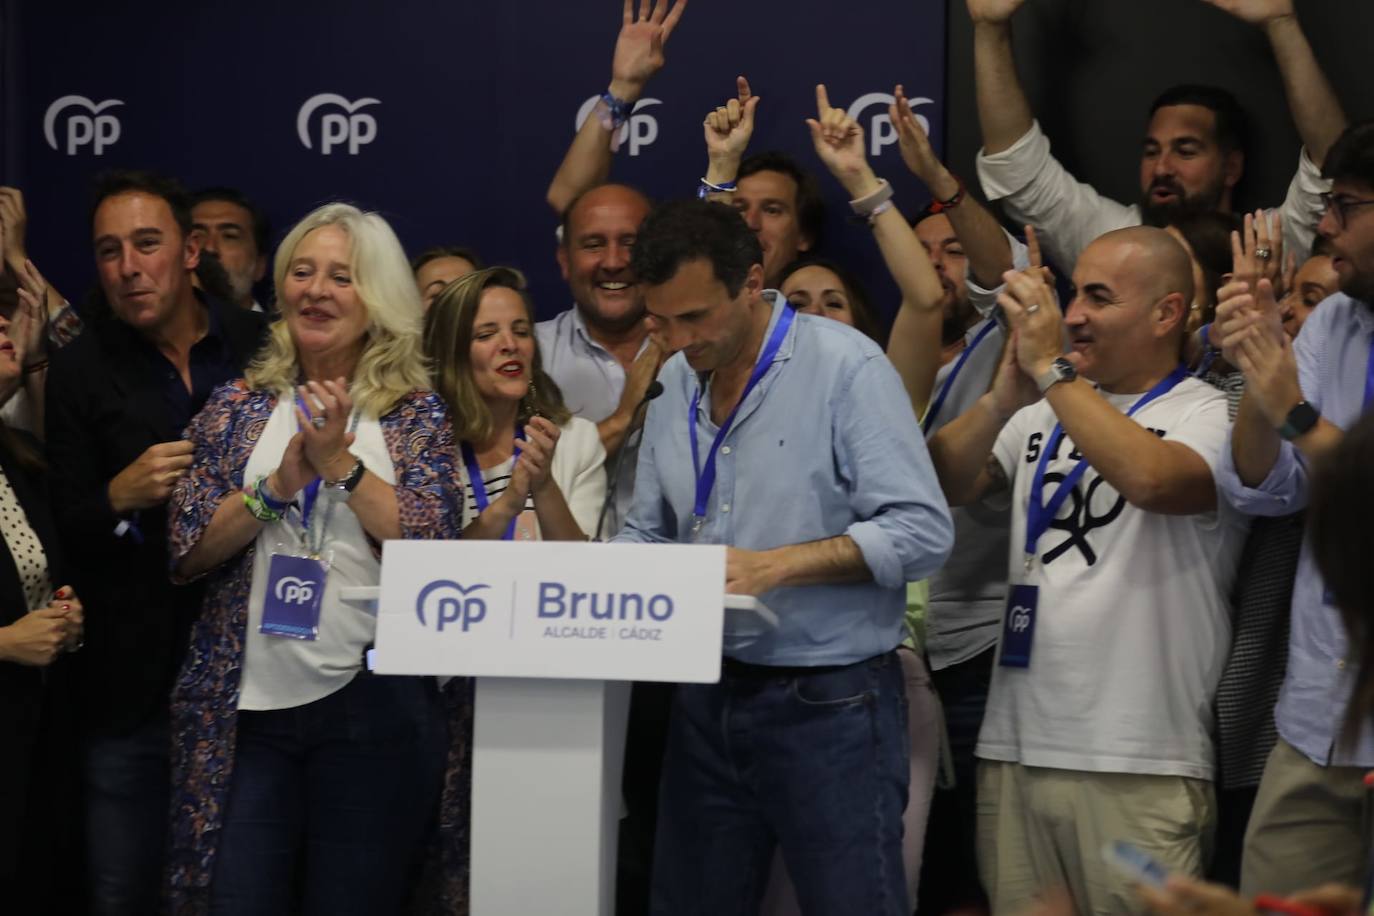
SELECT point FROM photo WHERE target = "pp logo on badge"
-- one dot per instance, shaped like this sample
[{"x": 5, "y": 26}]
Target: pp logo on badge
[
  {"x": 292, "y": 590},
  {"x": 640, "y": 130},
  {"x": 450, "y": 603},
  {"x": 84, "y": 128},
  {"x": 349, "y": 127},
  {"x": 1020, "y": 619},
  {"x": 883, "y": 133}
]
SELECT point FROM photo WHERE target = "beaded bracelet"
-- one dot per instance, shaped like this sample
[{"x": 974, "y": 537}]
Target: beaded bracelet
[{"x": 258, "y": 509}]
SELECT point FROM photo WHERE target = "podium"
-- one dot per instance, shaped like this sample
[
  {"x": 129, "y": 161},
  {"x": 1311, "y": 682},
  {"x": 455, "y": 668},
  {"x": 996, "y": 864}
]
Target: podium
[{"x": 553, "y": 634}]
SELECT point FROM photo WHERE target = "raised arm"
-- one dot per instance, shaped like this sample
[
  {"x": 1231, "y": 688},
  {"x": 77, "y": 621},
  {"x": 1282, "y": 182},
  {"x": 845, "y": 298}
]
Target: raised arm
[
  {"x": 985, "y": 244},
  {"x": 727, "y": 130},
  {"x": 1003, "y": 111},
  {"x": 638, "y": 56},
  {"x": 915, "y": 342},
  {"x": 1316, "y": 110}
]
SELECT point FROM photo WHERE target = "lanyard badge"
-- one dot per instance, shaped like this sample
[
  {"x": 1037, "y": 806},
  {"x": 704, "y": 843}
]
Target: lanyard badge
[{"x": 706, "y": 476}]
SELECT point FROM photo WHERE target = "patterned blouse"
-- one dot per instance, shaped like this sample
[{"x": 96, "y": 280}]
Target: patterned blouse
[{"x": 419, "y": 438}]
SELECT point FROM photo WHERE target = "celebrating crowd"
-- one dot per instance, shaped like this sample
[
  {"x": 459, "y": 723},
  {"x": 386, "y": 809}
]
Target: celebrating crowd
[{"x": 1074, "y": 557}]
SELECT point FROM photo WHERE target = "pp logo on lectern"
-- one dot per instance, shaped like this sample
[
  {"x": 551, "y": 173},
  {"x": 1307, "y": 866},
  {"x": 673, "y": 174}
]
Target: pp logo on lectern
[
  {"x": 639, "y": 131},
  {"x": 90, "y": 127},
  {"x": 445, "y": 602},
  {"x": 882, "y": 132},
  {"x": 349, "y": 127}
]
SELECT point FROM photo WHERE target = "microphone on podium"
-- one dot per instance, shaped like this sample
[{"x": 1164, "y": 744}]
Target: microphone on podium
[{"x": 654, "y": 390}]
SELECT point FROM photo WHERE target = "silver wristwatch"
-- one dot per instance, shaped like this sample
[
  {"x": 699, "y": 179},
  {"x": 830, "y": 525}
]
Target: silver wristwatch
[{"x": 1061, "y": 370}]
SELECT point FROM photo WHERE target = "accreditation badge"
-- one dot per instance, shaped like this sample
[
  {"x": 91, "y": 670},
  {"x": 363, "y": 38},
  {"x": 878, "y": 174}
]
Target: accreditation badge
[
  {"x": 1018, "y": 626},
  {"x": 291, "y": 606}
]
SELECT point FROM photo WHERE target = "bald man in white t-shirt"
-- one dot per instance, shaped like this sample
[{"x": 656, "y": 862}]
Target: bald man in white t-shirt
[{"x": 1098, "y": 726}]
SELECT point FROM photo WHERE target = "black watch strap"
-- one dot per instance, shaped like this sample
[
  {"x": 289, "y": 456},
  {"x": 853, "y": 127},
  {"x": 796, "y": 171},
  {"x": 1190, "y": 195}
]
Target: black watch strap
[{"x": 1300, "y": 420}]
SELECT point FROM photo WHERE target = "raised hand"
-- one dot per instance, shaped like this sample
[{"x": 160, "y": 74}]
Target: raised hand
[
  {"x": 1243, "y": 311},
  {"x": 14, "y": 219},
  {"x": 639, "y": 47},
  {"x": 839, "y": 142},
  {"x": 30, "y": 325},
  {"x": 1257, "y": 250},
  {"x": 1255, "y": 12},
  {"x": 294, "y": 471},
  {"x": 536, "y": 453},
  {"x": 917, "y": 152},
  {"x": 326, "y": 444},
  {"x": 1032, "y": 311},
  {"x": 1012, "y": 388},
  {"x": 1271, "y": 374},
  {"x": 729, "y": 127},
  {"x": 992, "y": 11}
]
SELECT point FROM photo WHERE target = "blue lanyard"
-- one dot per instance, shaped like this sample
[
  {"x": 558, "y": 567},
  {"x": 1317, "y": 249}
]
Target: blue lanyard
[
  {"x": 934, "y": 410},
  {"x": 706, "y": 477},
  {"x": 1369, "y": 378},
  {"x": 1040, "y": 514},
  {"x": 479, "y": 488}
]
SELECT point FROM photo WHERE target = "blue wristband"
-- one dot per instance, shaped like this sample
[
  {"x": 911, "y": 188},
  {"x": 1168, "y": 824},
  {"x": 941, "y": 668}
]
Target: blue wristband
[{"x": 706, "y": 188}]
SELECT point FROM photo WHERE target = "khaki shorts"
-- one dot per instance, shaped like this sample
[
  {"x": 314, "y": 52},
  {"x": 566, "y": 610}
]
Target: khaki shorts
[
  {"x": 1309, "y": 826},
  {"x": 1041, "y": 828}
]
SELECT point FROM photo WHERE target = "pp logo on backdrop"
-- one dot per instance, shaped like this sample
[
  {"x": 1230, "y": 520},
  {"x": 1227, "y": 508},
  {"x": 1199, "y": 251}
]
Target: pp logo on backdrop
[
  {"x": 345, "y": 127},
  {"x": 883, "y": 132},
  {"x": 292, "y": 590},
  {"x": 88, "y": 127},
  {"x": 639, "y": 131},
  {"x": 450, "y": 603}
]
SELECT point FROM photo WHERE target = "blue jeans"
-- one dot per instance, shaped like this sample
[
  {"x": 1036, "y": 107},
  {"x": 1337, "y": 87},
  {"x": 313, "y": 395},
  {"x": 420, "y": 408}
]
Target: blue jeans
[
  {"x": 811, "y": 762},
  {"x": 331, "y": 801},
  {"x": 128, "y": 796}
]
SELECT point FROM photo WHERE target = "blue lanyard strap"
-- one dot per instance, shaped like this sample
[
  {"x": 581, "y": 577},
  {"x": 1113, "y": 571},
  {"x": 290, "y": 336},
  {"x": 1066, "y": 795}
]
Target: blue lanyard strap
[
  {"x": 706, "y": 476},
  {"x": 934, "y": 410},
  {"x": 1039, "y": 514},
  {"x": 1369, "y": 378},
  {"x": 479, "y": 488}
]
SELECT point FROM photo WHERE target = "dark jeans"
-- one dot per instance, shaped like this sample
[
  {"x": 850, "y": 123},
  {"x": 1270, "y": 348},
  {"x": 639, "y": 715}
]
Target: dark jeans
[
  {"x": 128, "y": 796},
  {"x": 331, "y": 801},
  {"x": 949, "y": 872},
  {"x": 814, "y": 763}
]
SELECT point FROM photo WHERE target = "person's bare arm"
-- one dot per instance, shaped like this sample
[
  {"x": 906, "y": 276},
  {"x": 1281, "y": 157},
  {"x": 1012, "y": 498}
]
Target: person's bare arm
[
  {"x": 638, "y": 56},
  {"x": 1003, "y": 111},
  {"x": 830, "y": 561},
  {"x": 1316, "y": 111},
  {"x": 727, "y": 130}
]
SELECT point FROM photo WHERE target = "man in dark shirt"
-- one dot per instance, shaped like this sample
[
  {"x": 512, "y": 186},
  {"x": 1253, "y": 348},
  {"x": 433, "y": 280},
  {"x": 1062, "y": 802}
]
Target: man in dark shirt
[{"x": 118, "y": 399}]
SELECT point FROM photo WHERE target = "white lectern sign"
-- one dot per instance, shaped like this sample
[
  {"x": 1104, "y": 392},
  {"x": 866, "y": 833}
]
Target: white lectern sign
[{"x": 635, "y": 612}]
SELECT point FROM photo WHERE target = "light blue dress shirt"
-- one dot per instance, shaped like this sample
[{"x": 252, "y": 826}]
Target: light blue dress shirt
[
  {"x": 1333, "y": 357},
  {"x": 826, "y": 444}
]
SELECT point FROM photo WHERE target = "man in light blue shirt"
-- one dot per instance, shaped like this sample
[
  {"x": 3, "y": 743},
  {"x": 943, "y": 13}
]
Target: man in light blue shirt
[
  {"x": 821, "y": 487},
  {"x": 1306, "y": 827}
]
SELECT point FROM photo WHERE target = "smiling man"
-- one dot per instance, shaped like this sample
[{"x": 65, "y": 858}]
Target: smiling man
[
  {"x": 119, "y": 396},
  {"x": 1192, "y": 154},
  {"x": 1117, "y": 624},
  {"x": 790, "y": 439},
  {"x": 1299, "y": 399}
]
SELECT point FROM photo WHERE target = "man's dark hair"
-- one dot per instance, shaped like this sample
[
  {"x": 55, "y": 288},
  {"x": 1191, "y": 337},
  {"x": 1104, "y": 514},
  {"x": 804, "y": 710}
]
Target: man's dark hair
[
  {"x": 565, "y": 222},
  {"x": 1208, "y": 234},
  {"x": 810, "y": 204},
  {"x": 261, "y": 228},
  {"x": 112, "y": 184},
  {"x": 680, "y": 231},
  {"x": 445, "y": 251},
  {"x": 1231, "y": 123},
  {"x": 1351, "y": 157}
]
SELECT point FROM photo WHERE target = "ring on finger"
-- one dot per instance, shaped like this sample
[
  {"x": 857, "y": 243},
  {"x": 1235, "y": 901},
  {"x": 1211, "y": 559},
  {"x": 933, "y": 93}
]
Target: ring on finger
[
  {"x": 1263, "y": 253},
  {"x": 317, "y": 422},
  {"x": 1032, "y": 308}
]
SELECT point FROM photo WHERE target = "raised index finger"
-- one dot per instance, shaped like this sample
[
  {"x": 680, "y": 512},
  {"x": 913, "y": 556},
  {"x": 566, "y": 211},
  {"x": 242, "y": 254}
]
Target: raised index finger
[
  {"x": 742, "y": 87},
  {"x": 822, "y": 99},
  {"x": 1033, "y": 247}
]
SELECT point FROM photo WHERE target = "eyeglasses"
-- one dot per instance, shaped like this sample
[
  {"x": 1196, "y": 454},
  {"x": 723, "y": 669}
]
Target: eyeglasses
[{"x": 1341, "y": 207}]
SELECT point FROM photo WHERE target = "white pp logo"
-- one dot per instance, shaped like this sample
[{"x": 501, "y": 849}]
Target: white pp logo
[
  {"x": 349, "y": 127},
  {"x": 94, "y": 129},
  {"x": 883, "y": 133},
  {"x": 291, "y": 590},
  {"x": 1020, "y": 619},
  {"x": 640, "y": 130}
]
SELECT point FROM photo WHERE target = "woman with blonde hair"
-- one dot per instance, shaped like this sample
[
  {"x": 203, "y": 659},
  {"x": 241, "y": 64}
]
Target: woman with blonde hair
[
  {"x": 301, "y": 782},
  {"x": 531, "y": 470}
]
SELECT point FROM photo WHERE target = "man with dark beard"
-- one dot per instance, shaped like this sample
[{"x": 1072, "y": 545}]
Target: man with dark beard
[
  {"x": 1193, "y": 153},
  {"x": 1300, "y": 397}
]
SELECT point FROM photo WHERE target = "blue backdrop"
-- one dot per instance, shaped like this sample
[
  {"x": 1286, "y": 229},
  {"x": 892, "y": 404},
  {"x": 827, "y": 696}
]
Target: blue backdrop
[{"x": 449, "y": 118}]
